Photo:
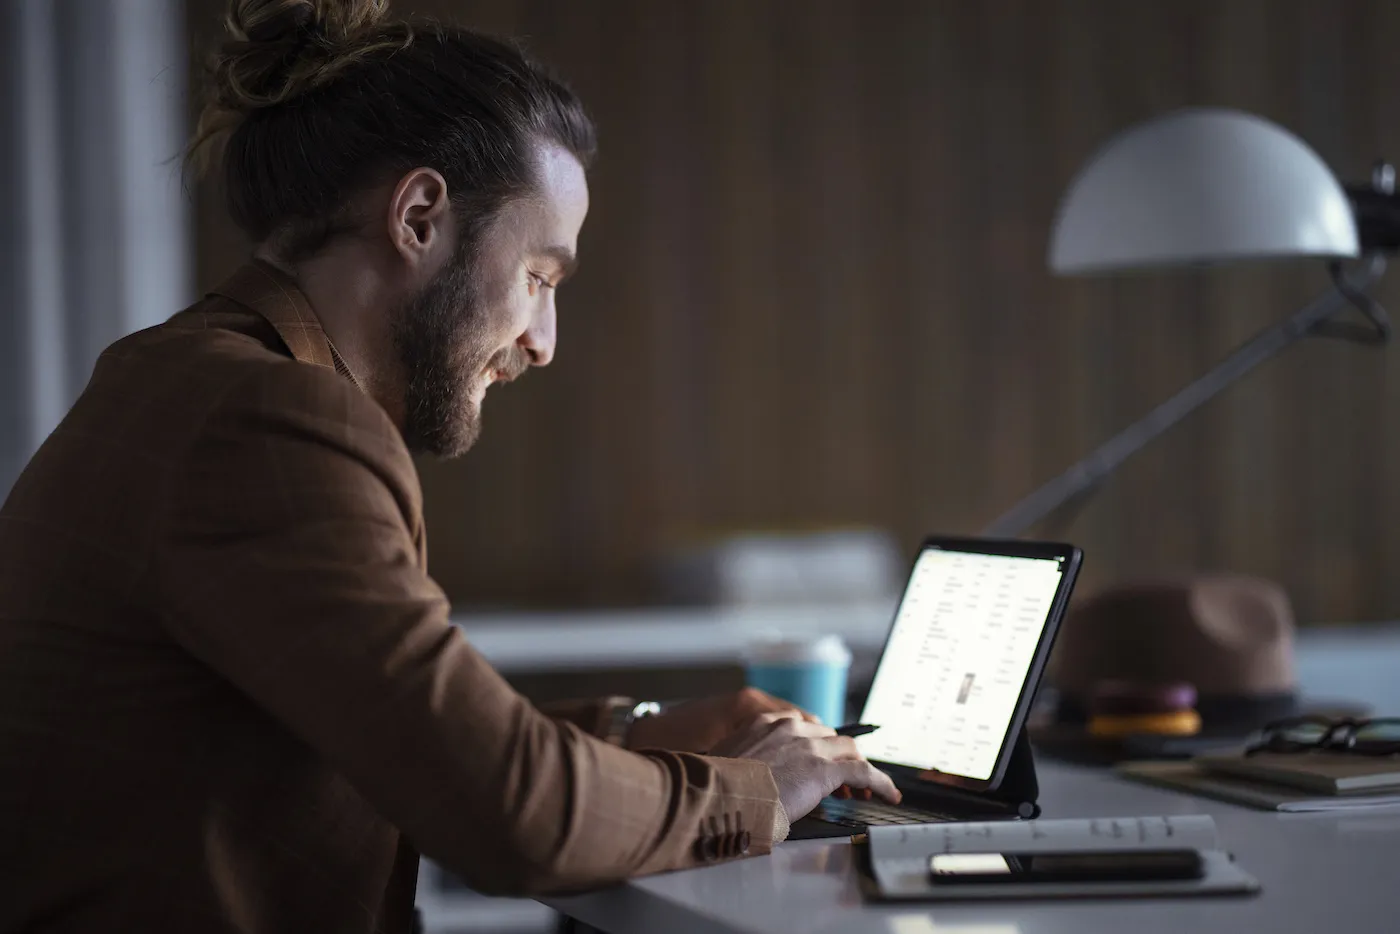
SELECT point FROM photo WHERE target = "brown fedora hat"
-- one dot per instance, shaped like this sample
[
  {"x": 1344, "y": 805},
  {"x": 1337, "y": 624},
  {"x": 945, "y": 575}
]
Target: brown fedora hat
[{"x": 1222, "y": 642}]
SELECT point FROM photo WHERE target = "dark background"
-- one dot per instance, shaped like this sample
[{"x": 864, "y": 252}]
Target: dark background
[{"x": 814, "y": 293}]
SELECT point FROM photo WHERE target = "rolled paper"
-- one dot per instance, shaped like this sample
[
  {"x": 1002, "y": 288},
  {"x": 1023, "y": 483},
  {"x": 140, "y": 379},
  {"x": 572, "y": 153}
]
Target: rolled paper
[{"x": 1176, "y": 723}]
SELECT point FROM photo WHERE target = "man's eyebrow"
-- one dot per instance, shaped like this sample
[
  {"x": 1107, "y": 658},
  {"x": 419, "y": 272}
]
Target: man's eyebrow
[{"x": 565, "y": 257}]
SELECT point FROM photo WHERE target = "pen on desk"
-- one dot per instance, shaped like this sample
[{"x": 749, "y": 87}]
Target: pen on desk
[{"x": 856, "y": 729}]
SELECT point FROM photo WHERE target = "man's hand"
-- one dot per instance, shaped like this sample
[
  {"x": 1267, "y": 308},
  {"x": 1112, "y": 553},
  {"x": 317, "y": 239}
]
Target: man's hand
[
  {"x": 700, "y": 725},
  {"x": 808, "y": 761}
]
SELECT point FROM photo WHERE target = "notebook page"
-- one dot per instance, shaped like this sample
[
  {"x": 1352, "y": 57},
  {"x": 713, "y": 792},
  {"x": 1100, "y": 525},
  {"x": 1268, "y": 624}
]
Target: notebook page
[{"x": 1102, "y": 833}]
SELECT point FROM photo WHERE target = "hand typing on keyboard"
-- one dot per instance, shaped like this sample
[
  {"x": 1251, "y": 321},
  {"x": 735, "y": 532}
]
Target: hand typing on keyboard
[
  {"x": 859, "y": 794},
  {"x": 866, "y": 813},
  {"x": 808, "y": 761}
]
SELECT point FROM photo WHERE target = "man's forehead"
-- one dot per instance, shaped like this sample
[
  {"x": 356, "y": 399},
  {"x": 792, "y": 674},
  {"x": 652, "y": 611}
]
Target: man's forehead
[{"x": 528, "y": 222}]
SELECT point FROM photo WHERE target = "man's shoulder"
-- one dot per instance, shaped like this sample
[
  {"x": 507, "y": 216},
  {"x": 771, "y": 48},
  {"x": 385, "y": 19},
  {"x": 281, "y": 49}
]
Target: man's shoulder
[
  {"x": 237, "y": 418},
  {"x": 213, "y": 360},
  {"x": 221, "y": 385}
]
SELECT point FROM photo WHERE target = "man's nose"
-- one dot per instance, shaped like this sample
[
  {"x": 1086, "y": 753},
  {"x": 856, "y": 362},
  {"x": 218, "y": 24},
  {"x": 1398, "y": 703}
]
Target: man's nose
[{"x": 538, "y": 339}]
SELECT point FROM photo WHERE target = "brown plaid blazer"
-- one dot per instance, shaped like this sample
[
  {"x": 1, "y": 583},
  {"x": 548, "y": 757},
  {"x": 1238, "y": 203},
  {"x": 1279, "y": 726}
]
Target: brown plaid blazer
[{"x": 230, "y": 696}]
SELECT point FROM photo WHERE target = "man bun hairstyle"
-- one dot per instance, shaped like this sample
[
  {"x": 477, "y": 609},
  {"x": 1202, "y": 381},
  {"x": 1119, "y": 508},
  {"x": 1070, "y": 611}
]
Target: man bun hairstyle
[
  {"x": 309, "y": 101},
  {"x": 277, "y": 49}
]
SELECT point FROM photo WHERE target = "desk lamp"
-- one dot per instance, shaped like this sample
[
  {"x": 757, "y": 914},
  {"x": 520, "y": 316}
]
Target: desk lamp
[{"x": 1209, "y": 186}]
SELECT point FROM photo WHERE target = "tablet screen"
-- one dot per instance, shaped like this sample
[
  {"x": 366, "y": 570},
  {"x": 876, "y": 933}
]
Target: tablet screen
[{"x": 957, "y": 659}]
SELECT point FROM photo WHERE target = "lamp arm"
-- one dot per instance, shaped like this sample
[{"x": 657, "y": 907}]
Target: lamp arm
[{"x": 1312, "y": 319}]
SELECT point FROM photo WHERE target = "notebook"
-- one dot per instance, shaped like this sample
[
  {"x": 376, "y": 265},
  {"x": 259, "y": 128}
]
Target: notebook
[
  {"x": 1191, "y": 778},
  {"x": 1327, "y": 773},
  {"x": 899, "y": 857}
]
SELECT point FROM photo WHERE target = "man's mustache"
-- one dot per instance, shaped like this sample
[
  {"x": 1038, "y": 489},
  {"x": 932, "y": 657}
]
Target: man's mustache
[{"x": 511, "y": 364}]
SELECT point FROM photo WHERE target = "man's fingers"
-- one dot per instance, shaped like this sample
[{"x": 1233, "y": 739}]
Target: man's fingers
[
  {"x": 777, "y": 719},
  {"x": 815, "y": 729},
  {"x": 769, "y": 716},
  {"x": 860, "y": 774},
  {"x": 839, "y": 747},
  {"x": 790, "y": 722},
  {"x": 751, "y": 699}
]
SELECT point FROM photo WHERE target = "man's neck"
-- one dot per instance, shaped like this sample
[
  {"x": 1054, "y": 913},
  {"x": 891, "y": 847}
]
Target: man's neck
[{"x": 346, "y": 292}]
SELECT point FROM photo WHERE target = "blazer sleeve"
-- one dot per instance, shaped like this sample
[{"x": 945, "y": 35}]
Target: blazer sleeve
[
  {"x": 591, "y": 716},
  {"x": 287, "y": 562}
]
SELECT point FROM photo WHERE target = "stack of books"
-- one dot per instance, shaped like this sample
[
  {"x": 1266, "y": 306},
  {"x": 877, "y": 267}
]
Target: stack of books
[{"x": 1300, "y": 781}]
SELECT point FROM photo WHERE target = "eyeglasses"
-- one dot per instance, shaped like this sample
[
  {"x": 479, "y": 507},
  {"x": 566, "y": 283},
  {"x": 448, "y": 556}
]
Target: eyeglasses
[{"x": 1378, "y": 737}]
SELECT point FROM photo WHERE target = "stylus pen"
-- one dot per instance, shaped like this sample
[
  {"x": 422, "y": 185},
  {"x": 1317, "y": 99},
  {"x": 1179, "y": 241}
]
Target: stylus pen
[{"x": 856, "y": 729}]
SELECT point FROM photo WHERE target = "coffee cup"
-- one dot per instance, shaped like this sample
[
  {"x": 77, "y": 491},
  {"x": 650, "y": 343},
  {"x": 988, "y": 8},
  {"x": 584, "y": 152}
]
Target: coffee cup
[{"x": 806, "y": 671}]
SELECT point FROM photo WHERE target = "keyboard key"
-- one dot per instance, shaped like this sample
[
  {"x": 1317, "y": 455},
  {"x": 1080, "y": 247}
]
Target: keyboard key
[{"x": 850, "y": 813}]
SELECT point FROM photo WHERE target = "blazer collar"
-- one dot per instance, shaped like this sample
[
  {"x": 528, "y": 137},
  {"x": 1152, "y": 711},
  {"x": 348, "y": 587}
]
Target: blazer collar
[{"x": 272, "y": 294}]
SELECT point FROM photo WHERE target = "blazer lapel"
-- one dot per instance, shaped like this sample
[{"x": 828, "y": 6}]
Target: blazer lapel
[{"x": 273, "y": 294}]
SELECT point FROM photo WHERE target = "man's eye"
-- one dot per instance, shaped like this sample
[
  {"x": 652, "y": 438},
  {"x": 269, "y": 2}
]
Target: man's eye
[{"x": 539, "y": 281}]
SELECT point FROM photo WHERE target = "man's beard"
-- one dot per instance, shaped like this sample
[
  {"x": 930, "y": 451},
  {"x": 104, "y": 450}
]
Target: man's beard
[{"x": 441, "y": 338}]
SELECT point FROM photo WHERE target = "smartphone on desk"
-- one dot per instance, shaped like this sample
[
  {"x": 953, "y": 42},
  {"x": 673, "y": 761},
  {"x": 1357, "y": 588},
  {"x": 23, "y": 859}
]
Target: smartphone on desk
[{"x": 1067, "y": 866}]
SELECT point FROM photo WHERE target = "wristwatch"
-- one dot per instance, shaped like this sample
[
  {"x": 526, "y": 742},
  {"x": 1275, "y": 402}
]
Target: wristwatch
[{"x": 623, "y": 714}]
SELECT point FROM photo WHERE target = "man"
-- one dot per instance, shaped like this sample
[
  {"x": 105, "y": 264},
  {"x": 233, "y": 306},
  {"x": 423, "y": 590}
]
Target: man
[{"x": 230, "y": 697}]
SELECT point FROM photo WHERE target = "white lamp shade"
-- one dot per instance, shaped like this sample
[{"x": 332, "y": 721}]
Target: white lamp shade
[{"x": 1202, "y": 185}]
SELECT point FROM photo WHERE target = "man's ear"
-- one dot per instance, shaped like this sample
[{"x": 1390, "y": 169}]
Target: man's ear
[{"x": 419, "y": 214}]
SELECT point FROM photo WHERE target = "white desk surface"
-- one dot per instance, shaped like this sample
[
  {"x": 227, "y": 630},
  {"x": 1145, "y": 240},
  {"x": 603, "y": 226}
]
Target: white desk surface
[{"x": 1321, "y": 874}]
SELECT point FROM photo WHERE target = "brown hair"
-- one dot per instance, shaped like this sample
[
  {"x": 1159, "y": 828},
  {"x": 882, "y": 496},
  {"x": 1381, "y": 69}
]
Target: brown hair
[{"x": 310, "y": 100}]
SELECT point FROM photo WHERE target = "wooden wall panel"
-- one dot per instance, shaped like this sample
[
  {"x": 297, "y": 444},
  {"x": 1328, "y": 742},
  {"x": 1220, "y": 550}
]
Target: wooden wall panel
[{"x": 814, "y": 291}]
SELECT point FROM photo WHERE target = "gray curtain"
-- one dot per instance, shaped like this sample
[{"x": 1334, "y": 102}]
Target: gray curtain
[{"x": 95, "y": 239}]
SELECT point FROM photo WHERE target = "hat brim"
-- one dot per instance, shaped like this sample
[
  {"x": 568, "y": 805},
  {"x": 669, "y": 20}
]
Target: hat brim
[{"x": 1226, "y": 723}]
